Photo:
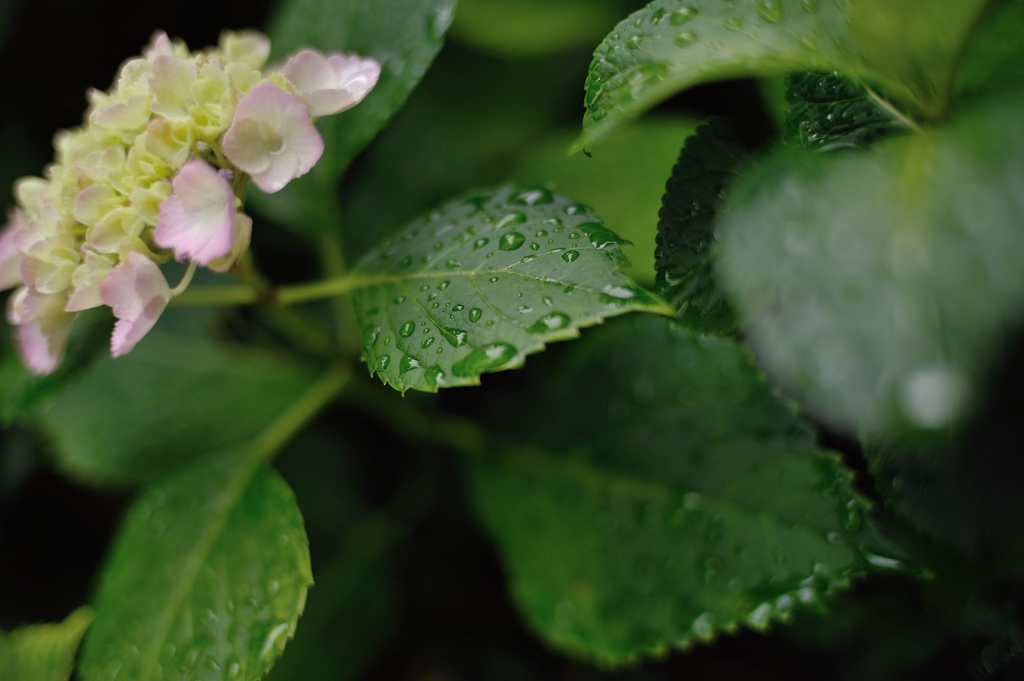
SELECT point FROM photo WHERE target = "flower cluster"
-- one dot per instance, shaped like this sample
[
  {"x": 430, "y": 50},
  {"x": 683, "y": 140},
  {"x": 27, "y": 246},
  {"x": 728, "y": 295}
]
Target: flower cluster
[{"x": 155, "y": 172}]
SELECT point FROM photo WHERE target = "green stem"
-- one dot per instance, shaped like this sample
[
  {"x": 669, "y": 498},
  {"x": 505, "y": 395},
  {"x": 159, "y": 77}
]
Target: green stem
[
  {"x": 236, "y": 294},
  {"x": 301, "y": 412}
]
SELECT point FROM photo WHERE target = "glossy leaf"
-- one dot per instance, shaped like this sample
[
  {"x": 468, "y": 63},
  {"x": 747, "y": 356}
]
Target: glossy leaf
[
  {"x": 622, "y": 181},
  {"x": 403, "y": 36},
  {"x": 828, "y": 111},
  {"x": 486, "y": 280},
  {"x": 908, "y": 48},
  {"x": 879, "y": 287},
  {"x": 172, "y": 399},
  {"x": 206, "y": 580},
  {"x": 708, "y": 165},
  {"x": 43, "y": 652},
  {"x": 672, "y": 496}
]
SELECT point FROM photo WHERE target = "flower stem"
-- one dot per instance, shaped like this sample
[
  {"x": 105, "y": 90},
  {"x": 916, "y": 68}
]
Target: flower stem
[
  {"x": 234, "y": 294},
  {"x": 185, "y": 280}
]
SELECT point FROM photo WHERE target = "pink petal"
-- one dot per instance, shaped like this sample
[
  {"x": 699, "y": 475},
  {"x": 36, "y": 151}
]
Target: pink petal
[
  {"x": 43, "y": 336},
  {"x": 197, "y": 221},
  {"x": 138, "y": 294},
  {"x": 10, "y": 256},
  {"x": 330, "y": 84},
  {"x": 41, "y": 353},
  {"x": 272, "y": 138}
]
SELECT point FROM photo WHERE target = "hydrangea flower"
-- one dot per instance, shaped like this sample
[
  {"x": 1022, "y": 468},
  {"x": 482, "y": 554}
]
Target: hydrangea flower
[{"x": 155, "y": 172}]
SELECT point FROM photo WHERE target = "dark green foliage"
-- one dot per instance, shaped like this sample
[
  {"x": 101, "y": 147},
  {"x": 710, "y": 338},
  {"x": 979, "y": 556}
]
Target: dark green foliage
[
  {"x": 673, "y": 497},
  {"x": 829, "y": 111},
  {"x": 708, "y": 165}
]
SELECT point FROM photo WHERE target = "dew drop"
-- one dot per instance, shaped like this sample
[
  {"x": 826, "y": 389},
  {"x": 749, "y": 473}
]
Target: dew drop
[
  {"x": 484, "y": 358},
  {"x": 431, "y": 297},
  {"x": 383, "y": 362},
  {"x": 407, "y": 329},
  {"x": 550, "y": 322},
  {"x": 427, "y": 343},
  {"x": 406, "y": 262},
  {"x": 458, "y": 308},
  {"x": 370, "y": 336},
  {"x": 493, "y": 280},
  {"x": 480, "y": 243},
  {"x": 541, "y": 232},
  {"x": 574, "y": 235},
  {"x": 658, "y": 16},
  {"x": 511, "y": 218},
  {"x": 452, "y": 263},
  {"x": 528, "y": 258},
  {"x": 682, "y": 15},
  {"x": 547, "y": 301},
  {"x": 425, "y": 287},
  {"x": 570, "y": 256},
  {"x": 635, "y": 42},
  {"x": 511, "y": 241},
  {"x": 534, "y": 246},
  {"x": 399, "y": 300},
  {"x": 408, "y": 364},
  {"x": 455, "y": 337},
  {"x": 434, "y": 377},
  {"x": 685, "y": 39},
  {"x": 532, "y": 197},
  {"x": 474, "y": 314}
]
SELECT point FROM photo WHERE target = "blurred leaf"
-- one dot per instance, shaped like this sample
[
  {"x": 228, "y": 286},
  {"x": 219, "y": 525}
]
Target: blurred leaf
[
  {"x": 661, "y": 495},
  {"x": 880, "y": 287},
  {"x": 522, "y": 28},
  {"x": 622, "y": 182},
  {"x": 403, "y": 35},
  {"x": 23, "y": 394},
  {"x": 995, "y": 58},
  {"x": 354, "y": 607},
  {"x": 43, "y": 652},
  {"x": 910, "y": 48},
  {"x": 171, "y": 400},
  {"x": 466, "y": 126},
  {"x": 707, "y": 167},
  {"x": 486, "y": 280},
  {"x": 829, "y": 111},
  {"x": 209, "y": 575}
]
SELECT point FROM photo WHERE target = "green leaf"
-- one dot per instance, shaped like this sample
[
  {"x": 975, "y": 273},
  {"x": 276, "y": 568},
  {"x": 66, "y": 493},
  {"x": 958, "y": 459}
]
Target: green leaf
[
  {"x": 707, "y": 167},
  {"x": 525, "y": 28},
  {"x": 995, "y": 58},
  {"x": 403, "y": 35},
  {"x": 172, "y": 399},
  {"x": 484, "y": 281},
  {"x": 879, "y": 287},
  {"x": 206, "y": 580},
  {"x": 909, "y": 48},
  {"x": 622, "y": 182},
  {"x": 43, "y": 652},
  {"x": 355, "y": 605},
  {"x": 828, "y": 111},
  {"x": 661, "y": 494}
]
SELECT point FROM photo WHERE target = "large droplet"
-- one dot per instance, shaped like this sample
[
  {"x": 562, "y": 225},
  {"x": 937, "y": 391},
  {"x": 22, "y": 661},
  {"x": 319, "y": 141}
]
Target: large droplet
[
  {"x": 770, "y": 9},
  {"x": 370, "y": 336},
  {"x": 427, "y": 343},
  {"x": 570, "y": 256},
  {"x": 474, "y": 314},
  {"x": 635, "y": 42},
  {"x": 408, "y": 364},
  {"x": 532, "y": 197},
  {"x": 407, "y": 329},
  {"x": 383, "y": 362},
  {"x": 682, "y": 15},
  {"x": 550, "y": 322},
  {"x": 434, "y": 377},
  {"x": 599, "y": 235},
  {"x": 511, "y": 218},
  {"x": 484, "y": 358},
  {"x": 455, "y": 337},
  {"x": 685, "y": 39},
  {"x": 511, "y": 241}
]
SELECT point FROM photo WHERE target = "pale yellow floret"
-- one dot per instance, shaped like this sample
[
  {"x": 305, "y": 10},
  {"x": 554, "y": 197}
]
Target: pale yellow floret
[{"x": 146, "y": 201}]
